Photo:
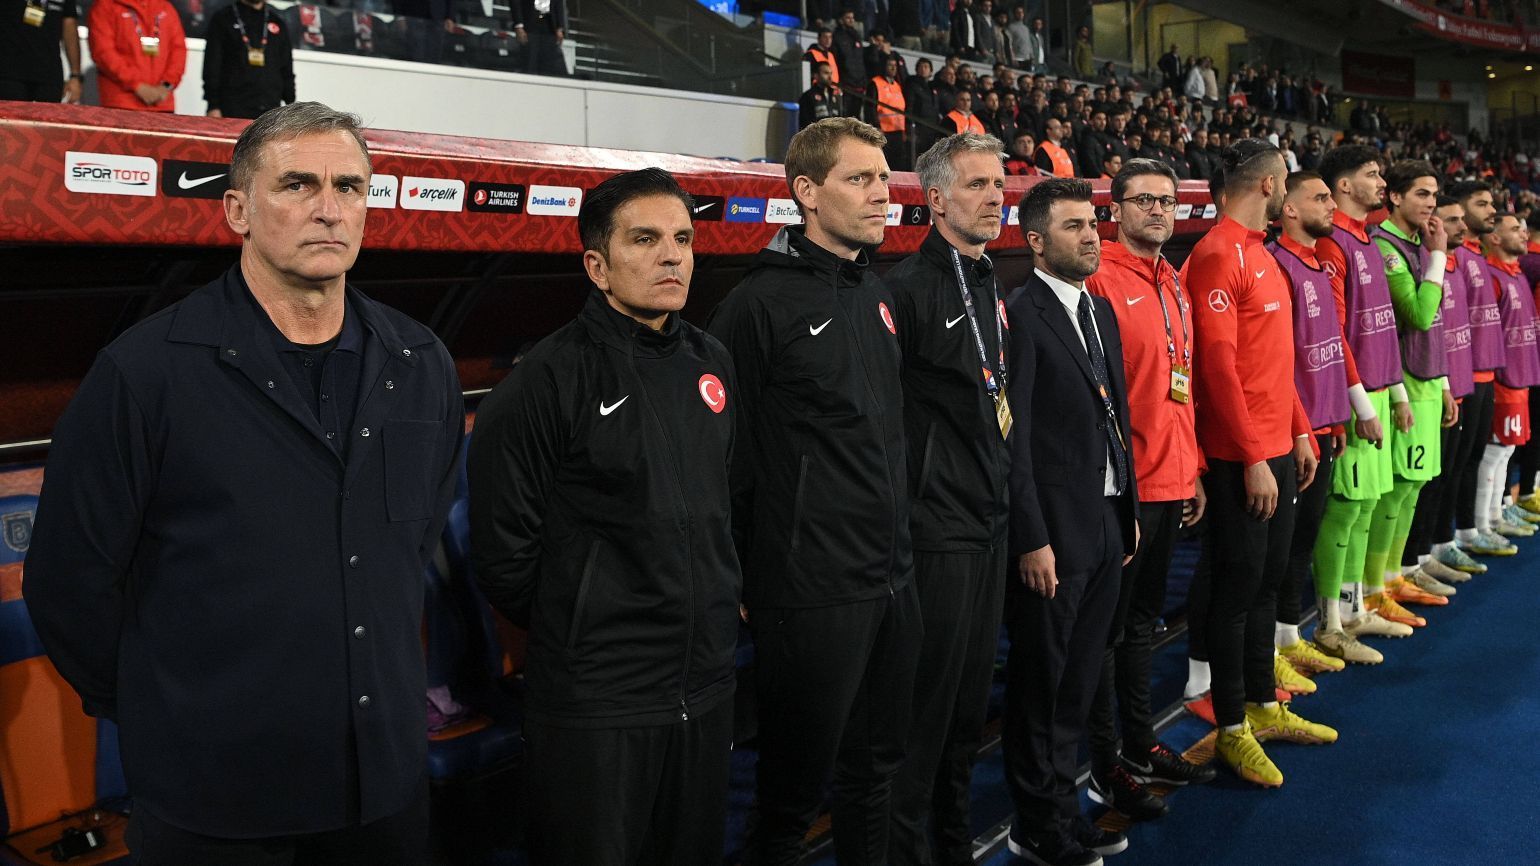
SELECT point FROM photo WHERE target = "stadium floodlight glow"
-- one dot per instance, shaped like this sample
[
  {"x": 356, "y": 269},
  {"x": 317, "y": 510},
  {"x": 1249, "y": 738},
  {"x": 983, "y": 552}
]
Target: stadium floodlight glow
[
  {"x": 1491, "y": 74},
  {"x": 1529, "y": 68}
]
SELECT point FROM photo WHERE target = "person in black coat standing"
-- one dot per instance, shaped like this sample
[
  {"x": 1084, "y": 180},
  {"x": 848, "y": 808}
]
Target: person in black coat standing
[
  {"x": 229, "y": 548},
  {"x": 600, "y": 522},
  {"x": 248, "y": 61},
  {"x": 851, "y": 58},
  {"x": 541, "y": 27},
  {"x": 1074, "y": 520}
]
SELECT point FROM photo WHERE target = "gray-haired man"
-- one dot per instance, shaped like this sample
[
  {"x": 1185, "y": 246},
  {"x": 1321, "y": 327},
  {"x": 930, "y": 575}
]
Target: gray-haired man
[
  {"x": 952, "y": 331},
  {"x": 239, "y": 504}
]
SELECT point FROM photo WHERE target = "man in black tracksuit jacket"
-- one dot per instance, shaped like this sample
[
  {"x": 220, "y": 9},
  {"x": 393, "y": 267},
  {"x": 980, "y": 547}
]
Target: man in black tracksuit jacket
[
  {"x": 233, "y": 85},
  {"x": 600, "y": 521},
  {"x": 958, "y": 464},
  {"x": 821, "y": 508}
]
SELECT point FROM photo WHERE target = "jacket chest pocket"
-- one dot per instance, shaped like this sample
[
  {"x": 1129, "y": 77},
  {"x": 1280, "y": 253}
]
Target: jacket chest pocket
[{"x": 411, "y": 468}]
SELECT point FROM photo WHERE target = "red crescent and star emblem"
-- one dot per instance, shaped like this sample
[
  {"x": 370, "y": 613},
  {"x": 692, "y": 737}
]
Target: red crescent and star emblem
[
  {"x": 887, "y": 317},
  {"x": 712, "y": 393},
  {"x": 1003, "y": 319}
]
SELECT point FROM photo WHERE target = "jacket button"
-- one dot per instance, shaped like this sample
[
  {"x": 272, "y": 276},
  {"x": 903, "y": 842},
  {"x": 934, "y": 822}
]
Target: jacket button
[
  {"x": 364, "y": 432},
  {"x": 359, "y": 632},
  {"x": 353, "y": 561},
  {"x": 363, "y": 701}
]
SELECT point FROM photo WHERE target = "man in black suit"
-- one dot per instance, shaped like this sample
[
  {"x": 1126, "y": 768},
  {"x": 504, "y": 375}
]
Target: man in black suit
[
  {"x": 541, "y": 26},
  {"x": 1074, "y": 520}
]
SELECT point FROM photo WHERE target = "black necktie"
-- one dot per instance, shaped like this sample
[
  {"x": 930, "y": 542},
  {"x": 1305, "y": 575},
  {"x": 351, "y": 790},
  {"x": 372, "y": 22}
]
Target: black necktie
[{"x": 1093, "y": 347}]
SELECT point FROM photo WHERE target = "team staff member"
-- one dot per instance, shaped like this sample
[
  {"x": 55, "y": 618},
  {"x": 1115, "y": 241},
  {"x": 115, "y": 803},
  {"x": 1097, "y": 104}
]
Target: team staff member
[
  {"x": 230, "y": 544},
  {"x": 821, "y": 100},
  {"x": 248, "y": 61},
  {"x": 1320, "y": 378},
  {"x": 1363, "y": 472},
  {"x": 600, "y": 521},
  {"x": 821, "y": 503},
  {"x": 1155, "y": 325},
  {"x": 1487, "y": 356},
  {"x": 1256, "y": 437},
  {"x": 1415, "y": 247},
  {"x": 31, "y": 32},
  {"x": 140, "y": 52},
  {"x": 1074, "y": 520},
  {"x": 952, "y": 332}
]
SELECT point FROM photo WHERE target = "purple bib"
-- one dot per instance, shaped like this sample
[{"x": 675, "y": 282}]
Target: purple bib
[
  {"x": 1457, "y": 333},
  {"x": 1486, "y": 322},
  {"x": 1422, "y": 352},
  {"x": 1320, "y": 370},
  {"x": 1371, "y": 321},
  {"x": 1522, "y": 369}
]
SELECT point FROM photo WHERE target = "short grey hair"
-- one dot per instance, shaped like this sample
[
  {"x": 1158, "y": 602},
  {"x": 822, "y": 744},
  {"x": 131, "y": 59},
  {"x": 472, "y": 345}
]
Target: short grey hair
[
  {"x": 285, "y": 123},
  {"x": 935, "y": 166}
]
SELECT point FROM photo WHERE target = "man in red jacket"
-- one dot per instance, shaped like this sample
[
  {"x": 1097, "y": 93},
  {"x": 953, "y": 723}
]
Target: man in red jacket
[
  {"x": 1256, "y": 437},
  {"x": 1155, "y": 319},
  {"x": 139, "y": 50}
]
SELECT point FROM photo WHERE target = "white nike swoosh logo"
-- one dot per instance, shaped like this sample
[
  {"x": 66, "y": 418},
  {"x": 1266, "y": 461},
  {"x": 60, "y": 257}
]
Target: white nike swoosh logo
[
  {"x": 818, "y": 330},
  {"x": 605, "y": 410},
  {"x": 708, "y": 204},
  {"x": 1262, "y": 273},
  {"x": 956, "y": 320},
  {"x": 183, "y": 183},
  {"x": 1132, "y": 301}
]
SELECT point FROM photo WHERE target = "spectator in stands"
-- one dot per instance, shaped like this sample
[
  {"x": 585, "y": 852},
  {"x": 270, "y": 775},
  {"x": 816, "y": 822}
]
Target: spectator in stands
[
  {"x": 1052, "y": 156},
  {"x": 1020, "y": 35},
  {"x": 851, "y": 61},
  {"x": 821, "y": 100},
  {"x": 246, "y": 602},
  {"x": 1037, "y": 49},
  {"x": 887, "y": 110},
  {"x": 1095, "y": 144},
  {"x": 946, "y": 90},
  {"x": 879, "y": 51},
  {"x": 139, "y": 50},
  {"x": 965, "y": 35},
  {"x": 628, "y": 738},
  {"x": 541, "y": 27},
  {"x": 962, "y": 118},
  {"x": 1111, "y": 166},
  {"x": 248, "y": 61},
  {"x": 29, "y": 51},
  {"x": 921, "y": 106},
  {"x": 1170, "y": 66},
  {"x": 1020, "y": 160},
  {"x": 1085, "y": 65},
  {"x": 1199, "y": 164},
  {"x": 822, "y": 51},
  {"x": 984, "y": 31}
]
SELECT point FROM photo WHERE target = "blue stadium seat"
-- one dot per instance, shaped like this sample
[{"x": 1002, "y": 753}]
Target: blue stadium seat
[{"x": 54, "y": 759}]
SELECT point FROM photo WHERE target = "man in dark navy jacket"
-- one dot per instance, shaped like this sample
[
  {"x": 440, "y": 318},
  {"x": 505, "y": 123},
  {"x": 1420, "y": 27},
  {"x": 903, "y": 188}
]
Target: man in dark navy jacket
[
  {"x": 600, "y": 521},
  {"x": 1073, "y": 523},
  {"x": 238, "y": 507}
]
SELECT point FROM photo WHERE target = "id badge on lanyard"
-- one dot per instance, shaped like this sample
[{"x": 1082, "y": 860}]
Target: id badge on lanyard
[
  {"x": 992, "y": 382},
  {"x": 33, "y": 14},
  {"x": 150, "y": 45},
  {"x": 256, "y": 57},
  {"x": 1181, "y": 371}
]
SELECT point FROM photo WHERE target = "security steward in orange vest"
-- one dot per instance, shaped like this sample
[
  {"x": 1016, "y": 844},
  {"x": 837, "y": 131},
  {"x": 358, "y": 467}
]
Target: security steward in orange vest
[
  {"x": 962, "y": 117},
  {"x": 1052, "y": 157},
  {"x": 887, "y": 114},
  {"x": 823, "y": 52}
]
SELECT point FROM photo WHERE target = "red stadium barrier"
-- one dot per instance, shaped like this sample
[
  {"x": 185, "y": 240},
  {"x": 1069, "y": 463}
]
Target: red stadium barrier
[{"x": 74, "y": 175}]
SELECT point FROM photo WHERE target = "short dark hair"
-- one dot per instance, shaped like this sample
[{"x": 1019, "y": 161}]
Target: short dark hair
[
  {"x": 1445, "y": 200},
  {"x": 1140, "y": 167},
  {"x": 596, "y": 218},
  {"x": 1532, "y": 222},
  {"x": 1297, "y": 179},
  {"x": 1243, "y": 161},
  {"x": 1038, "y": 201},
  {"x": 1403, "y": 173},
  {"x": 1216, "y": 183},
  {"x": 1463, "y": 190},
  {"x": 1343, "y": 160}
]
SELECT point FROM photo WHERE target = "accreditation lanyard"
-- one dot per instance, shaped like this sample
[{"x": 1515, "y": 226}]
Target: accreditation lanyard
[
  {"x": 254, "y": 56},
  {"x": 994, "y": 374},
  {"x": 1181, "y": 373},
  {"x": 150, "y": 45}
]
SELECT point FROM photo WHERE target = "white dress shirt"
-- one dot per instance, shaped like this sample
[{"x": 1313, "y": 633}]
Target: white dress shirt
[{"x": 1069, "y": 296}]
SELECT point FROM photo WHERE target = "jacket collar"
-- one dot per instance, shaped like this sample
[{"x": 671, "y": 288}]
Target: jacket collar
[
  {"x": 615, "y": 329},
  {"x": 791, "y": 248},
  {"x": 936, "y": 250}
]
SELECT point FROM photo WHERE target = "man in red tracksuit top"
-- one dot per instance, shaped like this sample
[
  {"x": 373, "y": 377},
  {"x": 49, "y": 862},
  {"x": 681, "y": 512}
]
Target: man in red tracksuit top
[
  {"x": 1256, "y": 437},
  {"x": 139, "y": 50}
]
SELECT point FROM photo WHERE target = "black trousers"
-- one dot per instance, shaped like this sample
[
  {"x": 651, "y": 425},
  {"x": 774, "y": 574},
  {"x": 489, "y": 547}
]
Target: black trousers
[
  {"x": 544, "y": 55},
  {"x": 399, "y": 840},
  {"x": 1459, "y": 506},
  {"x": 1123, "y": 691},
  {"x": 961, "y": 598},
  {"x": 629, "y": 796},
  {"x": 32, "y": 91},
  {"x": 1199, "y": 591},
  {"x": 1249, "y": 559},
  {"x": 1419, "y": 541},
  {"x": 836, "y": 689},
  {"x": 1052, "y": 670},
  {"x": 1309, "y": 508}
]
